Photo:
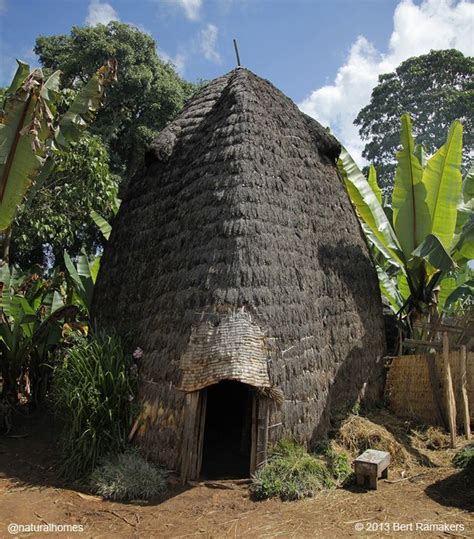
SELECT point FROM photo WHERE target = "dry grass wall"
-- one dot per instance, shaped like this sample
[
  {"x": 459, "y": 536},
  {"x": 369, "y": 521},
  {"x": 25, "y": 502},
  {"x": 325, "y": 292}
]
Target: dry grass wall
[{"x": 411, "y": 390}]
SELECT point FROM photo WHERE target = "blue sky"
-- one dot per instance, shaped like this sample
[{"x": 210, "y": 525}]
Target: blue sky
[{"x": 324, "y": 54}]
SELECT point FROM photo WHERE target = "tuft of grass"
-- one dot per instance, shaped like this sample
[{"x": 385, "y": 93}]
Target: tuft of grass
[
  {"x": 339, "y": 465},
  {"x": 126, "y": 477},
  {"x": 291, "y": 473},
  {"x": 93, "y": 390},
  {"x": 464, "y": 458}
]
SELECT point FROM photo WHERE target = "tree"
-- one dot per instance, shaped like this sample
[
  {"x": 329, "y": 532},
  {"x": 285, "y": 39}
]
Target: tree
[
  {"x": 147, "y": 96},
  {"x": 435, "y": 89},
  {"x": 58, "y": 217}
]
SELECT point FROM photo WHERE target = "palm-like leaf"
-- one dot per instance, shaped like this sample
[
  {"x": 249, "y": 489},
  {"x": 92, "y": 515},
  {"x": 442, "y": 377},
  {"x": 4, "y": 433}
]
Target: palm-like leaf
[
  {"x": 369, "y": 208},
  {"x": 30, "y": 130},
  {"x": 443, "y": 182},
  {"x": 410, "y": 212}
]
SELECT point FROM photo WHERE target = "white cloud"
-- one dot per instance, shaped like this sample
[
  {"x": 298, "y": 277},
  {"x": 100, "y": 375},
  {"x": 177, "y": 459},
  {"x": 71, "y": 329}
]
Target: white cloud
[
  {"x": 433, "y": 24},
  {"x": 192, "y": 8},
  {"x": 100, "y": 13},
  {"x": 3, "y": 7},
  {"x": 207, "y": 43},
  {"x": 178, "y": 60}
]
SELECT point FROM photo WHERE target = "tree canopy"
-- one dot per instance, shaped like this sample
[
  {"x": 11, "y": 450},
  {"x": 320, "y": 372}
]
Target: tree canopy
[
  {"x": 435, "y": 89},
  {"x": 147, "y": 95},
  {"x": 59, "y": 218}
]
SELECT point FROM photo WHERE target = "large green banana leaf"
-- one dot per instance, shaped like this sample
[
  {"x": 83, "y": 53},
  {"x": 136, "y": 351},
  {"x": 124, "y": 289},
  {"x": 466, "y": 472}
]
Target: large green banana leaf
[
  {"x": 463, "y": 291},
  {"x": 372, "y": 179},
  {"x": 19, "y": 162},
  {"x": 389, "y": 290},
  {"x": 85, "y": 105},
  {"x": 83, "y": 277},
  {"x": 369, "y": 208},
  {"x": 103, "y": 225},
  {"x": 465, "y": 213},
  {"x": 443, "y": 182},
  {"x": 27, "y": 137},
  {"x": 432, "y": 250},
  {"x": 420, "y": 154},
  {"x": 464, "y": 249},
  {"x": 410, "y": 212},
  {"x": 446, "y": 287}
]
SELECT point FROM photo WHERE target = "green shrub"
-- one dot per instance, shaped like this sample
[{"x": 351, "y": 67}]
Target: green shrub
[
  {"x": 292, "y": 473},
  {"x": 464, "y": 458},
  {"x": 128, "y": 477},
  {"x": 93, "y": 390}
]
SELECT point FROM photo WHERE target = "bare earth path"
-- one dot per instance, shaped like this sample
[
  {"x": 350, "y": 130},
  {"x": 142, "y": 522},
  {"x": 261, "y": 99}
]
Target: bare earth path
[{"x": 29, "y": 493}]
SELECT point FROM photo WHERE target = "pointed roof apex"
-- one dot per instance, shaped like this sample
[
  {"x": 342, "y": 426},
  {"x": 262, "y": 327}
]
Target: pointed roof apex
[{"x": 241, "y": 102}]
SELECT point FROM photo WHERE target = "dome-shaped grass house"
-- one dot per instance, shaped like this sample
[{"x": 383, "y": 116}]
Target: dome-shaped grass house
[{"x": 237, "y": 263}]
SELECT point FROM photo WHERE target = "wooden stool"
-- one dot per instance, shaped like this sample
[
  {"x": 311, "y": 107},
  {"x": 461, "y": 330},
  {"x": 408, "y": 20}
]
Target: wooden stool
[{"x": 370, "y": 466}]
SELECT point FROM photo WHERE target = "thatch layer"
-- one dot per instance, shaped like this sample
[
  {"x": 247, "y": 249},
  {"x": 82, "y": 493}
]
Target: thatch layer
[{"x": 240, "y": 209}]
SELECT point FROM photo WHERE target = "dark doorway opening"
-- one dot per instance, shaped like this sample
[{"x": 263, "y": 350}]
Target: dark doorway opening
[{"x": 227, "y": 431}]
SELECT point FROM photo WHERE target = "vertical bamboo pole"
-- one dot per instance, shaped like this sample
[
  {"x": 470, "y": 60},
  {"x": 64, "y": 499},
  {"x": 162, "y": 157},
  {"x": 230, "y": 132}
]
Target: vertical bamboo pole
[
  {"x": 449, "y": 393},
  {"x": 464, "y": 397}
]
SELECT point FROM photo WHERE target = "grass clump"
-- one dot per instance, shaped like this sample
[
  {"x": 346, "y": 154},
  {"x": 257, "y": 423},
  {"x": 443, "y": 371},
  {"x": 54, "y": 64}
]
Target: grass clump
[
  {"x": 94, "y": 391},
  {"x": 339, "y": 465},
  {"x": 291, "y": 473},
  {"x": 126, "y": 477},
  {"x": 464, "y": 459}
]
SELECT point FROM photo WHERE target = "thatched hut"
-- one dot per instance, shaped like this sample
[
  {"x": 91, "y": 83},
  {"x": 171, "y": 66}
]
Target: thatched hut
[{"x": 236, "y": 262}]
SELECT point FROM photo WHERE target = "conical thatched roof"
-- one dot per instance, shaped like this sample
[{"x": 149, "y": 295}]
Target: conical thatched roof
[{"x": 236, "y": 254}]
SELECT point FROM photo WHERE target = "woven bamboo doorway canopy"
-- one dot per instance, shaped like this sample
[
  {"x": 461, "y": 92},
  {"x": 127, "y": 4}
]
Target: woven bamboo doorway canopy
[{"x": 225, "y": 345}]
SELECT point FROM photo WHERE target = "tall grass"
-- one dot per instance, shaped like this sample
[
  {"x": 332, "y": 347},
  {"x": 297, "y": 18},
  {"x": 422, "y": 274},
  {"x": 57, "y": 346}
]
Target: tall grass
[{"x": 93, "y": 390}]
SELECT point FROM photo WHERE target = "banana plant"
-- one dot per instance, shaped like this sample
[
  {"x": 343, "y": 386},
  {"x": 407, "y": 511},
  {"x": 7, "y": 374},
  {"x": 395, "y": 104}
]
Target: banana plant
[
  {"x": 31, "y": 130},
  {"x": 428, "y": 233},
  {"x": 82, "y": 278},
  {"x": 33, "y": 311}
]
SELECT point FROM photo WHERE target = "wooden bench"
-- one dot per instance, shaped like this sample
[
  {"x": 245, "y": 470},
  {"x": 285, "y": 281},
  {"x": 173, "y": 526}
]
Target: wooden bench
[{"x": 370, "y": 466}]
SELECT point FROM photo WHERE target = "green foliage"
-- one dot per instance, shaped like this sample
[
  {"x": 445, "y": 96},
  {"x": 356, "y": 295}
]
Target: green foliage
[
  {"x": 464, "y": 458},
  {"x": 94, "y": 388},
  {"x": 435, "y": 89},
  {"x": 59, "y": 216},
  {"x": 291, "y": 473},
  {"x": 81, "y": 278},
  {"x": 33, "y": 312},
  {"x": 32, "y": 129},
  {"x": 428, "y": 237},
  {"x": 126, "y": 477},
  {"x": 146, "y": 97}
]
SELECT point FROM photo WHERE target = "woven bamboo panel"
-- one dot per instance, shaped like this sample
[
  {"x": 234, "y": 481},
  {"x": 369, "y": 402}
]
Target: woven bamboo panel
[
  {"x": 233, "y": 348},
  {"x": 409, "y": 388}
]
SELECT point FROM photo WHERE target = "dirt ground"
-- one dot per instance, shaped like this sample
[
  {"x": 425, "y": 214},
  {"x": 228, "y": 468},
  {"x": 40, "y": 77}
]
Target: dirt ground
[{"x": 31, "y": 494}]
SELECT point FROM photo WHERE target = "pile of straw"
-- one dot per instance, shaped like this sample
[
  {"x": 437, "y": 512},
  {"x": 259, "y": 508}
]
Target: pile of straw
[{"x": 356, "y": 434}]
